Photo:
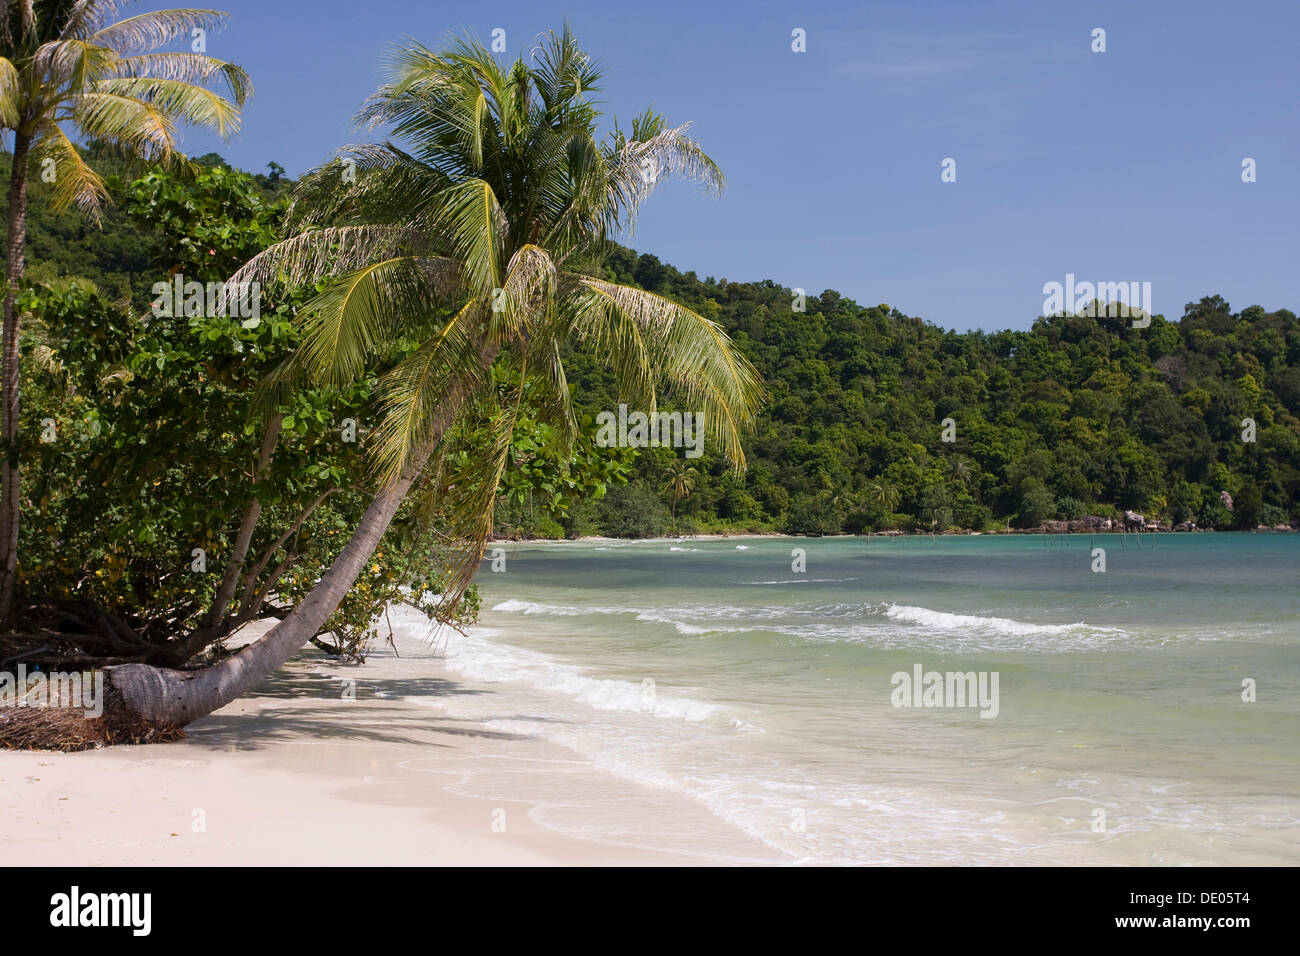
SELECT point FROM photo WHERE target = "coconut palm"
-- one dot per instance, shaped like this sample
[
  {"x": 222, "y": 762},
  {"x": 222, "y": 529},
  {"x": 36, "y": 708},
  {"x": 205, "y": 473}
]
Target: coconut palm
[
  {"x": 477, "y": 240},
  {"x": 884, "y": 496},
  {"x": 958, "y": 469},
  {"x": 71, "y": 67},
  {"x": 681, "y": 482}
]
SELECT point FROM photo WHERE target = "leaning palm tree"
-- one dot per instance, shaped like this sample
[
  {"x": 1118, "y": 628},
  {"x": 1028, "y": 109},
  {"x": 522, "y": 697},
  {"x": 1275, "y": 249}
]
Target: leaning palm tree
[
  {"x": 470, "y": 253},
  {"x": 71, "y": 67}
]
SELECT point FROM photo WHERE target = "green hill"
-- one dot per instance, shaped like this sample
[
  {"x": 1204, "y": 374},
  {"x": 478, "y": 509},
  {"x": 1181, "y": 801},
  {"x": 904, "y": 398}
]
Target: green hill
[{"x": 1078, "y": 415}]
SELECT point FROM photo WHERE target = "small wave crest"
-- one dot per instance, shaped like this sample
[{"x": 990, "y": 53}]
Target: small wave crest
[
  {"x": 686, "y": 621},
  {"x": 946, "y": 621},
  {"x": 491, "y": 661}
]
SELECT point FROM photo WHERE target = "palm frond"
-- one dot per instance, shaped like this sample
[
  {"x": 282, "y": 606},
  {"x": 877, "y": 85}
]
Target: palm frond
[
  {"x": 463, "y": 487},
  {"x": 475, "y": 228},
  {"x": 75, "y": 182},
  {"x": 551, "y": 399},
  {"x": 455, "y": 102},
  {"x": 580, "y": 220},
  {"x": 637, "y": 166},
  {"x": 419, "y": 396},
  {"x": 71, "y": 65},
  {"x": 148, "y": 31},
  {"x": 368, "y": 183},
  {"x": 354, "y": 319},
  {"x": 323, "y": 253},
  {"x": 188, "y": 68},
  {"x": 527, "y": 294},
  {"x": 600, "y": 327},
  {"x": 10, "y": 91},
  {"x": 565, "y": 72},
  {"x": 139, "y": 125},
  {"x": 177, "y": 100},
  {"x": 86, "y": 15},
  {"x": 695, "y": 357}
]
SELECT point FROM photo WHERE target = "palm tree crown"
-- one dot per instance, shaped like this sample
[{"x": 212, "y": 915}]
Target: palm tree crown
[
  {"x": 472, "y": 240},
  {"x": 71, "y": 64},
  {"x": 681, "y": 482},
  {"x": 884, "y": 495}
]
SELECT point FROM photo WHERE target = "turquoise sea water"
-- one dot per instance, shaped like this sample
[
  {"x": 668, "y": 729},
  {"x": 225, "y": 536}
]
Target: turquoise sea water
[{"x": 1120, "y": 736}]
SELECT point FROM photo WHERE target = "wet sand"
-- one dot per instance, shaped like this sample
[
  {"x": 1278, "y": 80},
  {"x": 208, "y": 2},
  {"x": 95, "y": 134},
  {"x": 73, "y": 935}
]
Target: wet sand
[{"x": 297, "y": 774}]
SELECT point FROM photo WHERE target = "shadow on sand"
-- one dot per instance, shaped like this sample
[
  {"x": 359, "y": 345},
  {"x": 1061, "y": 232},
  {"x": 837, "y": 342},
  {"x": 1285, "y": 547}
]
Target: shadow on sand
[{"x": 321, "y": 714}]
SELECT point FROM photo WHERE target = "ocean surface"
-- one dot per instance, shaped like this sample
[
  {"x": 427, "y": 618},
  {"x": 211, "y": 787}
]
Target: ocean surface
[{"x": 1119, "y": 733}]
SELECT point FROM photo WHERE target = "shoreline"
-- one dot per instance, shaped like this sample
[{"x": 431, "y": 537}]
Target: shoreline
[
  {"x": 433, "y": 756},
  {"x": 999, "y": 533},
  {"x": 295, "y": 774}
]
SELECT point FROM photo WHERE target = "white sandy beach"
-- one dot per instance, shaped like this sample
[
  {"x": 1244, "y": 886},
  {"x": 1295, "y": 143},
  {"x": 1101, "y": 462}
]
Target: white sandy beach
[
  {"x": 296, "y": 775},
  {"x": 671, "y": 703}
]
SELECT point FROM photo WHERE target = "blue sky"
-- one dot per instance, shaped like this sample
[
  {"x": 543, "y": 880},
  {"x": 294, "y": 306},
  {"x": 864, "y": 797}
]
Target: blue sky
[{"x": 1115, "y": 166}]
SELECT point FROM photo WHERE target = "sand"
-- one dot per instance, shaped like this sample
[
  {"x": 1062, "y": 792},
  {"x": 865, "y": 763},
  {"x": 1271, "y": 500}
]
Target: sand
[{"x": 296, "y": 774}]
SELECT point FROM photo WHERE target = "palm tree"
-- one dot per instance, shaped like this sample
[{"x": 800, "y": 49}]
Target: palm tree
[
  {"x": 958, "y": 469},
  {"x": 71, "y": 66},
  {"x": 471, "y": 241},
  {"x": 884, "y": 496},
  {"x": 681, "y": 482}
]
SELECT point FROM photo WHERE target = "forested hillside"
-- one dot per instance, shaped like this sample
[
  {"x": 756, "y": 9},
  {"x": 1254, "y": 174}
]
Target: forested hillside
[{"x": 1076, "y": 416}]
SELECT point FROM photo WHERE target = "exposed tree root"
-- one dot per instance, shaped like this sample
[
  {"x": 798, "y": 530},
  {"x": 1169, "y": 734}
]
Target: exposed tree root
[
  {"x": 69, "y": 633},
  {"x": 70, "y": 728},
  {"x": 78, "y": 633}
]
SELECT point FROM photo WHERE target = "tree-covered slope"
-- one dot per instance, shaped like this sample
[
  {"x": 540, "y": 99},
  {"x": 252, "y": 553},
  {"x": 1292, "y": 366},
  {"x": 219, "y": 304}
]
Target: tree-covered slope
[{"x": 1078, "y": 415}]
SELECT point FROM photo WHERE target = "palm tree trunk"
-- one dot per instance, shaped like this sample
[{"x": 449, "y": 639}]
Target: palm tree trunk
[
  {"x": 170, "y": 698},
  {"x": 250, "y": 600},
  {"x": 10, "y": 502},
  {"x": 174, "y": 698}
]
